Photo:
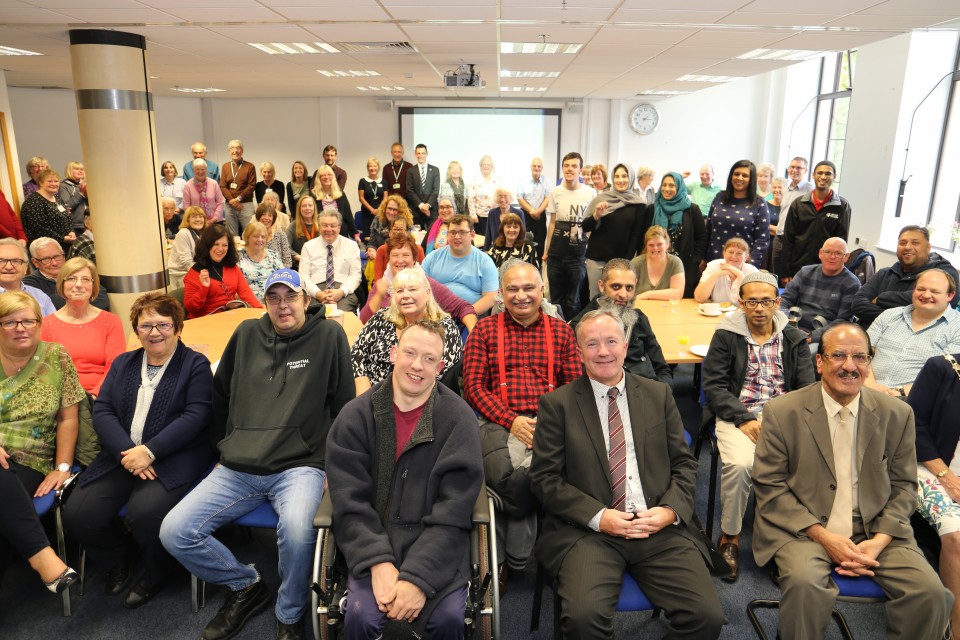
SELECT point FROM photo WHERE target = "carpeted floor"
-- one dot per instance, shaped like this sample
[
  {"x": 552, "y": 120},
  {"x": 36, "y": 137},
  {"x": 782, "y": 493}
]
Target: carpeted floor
[{"x": 29, "y": 612}]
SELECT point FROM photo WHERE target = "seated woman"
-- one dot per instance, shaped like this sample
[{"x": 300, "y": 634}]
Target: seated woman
[
  {"x": 399, "y": 229},
  {"x": 720, "y": 281},
  {"x": 502, "y": 197},
  {"x": 152, "y": 418},
  {"x": 38, "y": 433},
  {"x": 511, "y": 242},
  {"x": 436, "y": 237},
  {"x": 304, "y": 227},
  {"x": 412, "y": 300},
  {"x": 91, "y": 336},
  {"x": 400, "y": 252},
  {"x": 185, "y": 245},
  {"x": 281, "y": 219},
  {"x": 391, "y": 208},
  {"x": 257, "y": 262},
  {"x": 215, "y": 282},
  {"x": 935, "y": 398},
  {"x": 659, "y": 273},
  {"x": 276, "y": 239}
]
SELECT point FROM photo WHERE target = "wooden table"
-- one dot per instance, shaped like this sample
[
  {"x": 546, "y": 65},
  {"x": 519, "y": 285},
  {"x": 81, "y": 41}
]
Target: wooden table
[
  {"x": 209, "y": 335},
  {"x": 667, "y": 326}
]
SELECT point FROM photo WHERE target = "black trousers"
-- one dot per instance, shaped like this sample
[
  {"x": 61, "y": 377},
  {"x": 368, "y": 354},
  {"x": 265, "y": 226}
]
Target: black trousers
[
  {"x": 90, "y": 516},
  {"x": 20, "y": 528}
]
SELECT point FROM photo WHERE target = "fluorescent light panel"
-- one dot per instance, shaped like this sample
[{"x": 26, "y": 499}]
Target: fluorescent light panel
[
  {"x": 337, "y": 73},
  {"x": 529, "y": 74},
  {"x": 662, "y": 92},
  {"x": 528, "y": 89},
  {"x": 10, "y": 51},
  {"x": 539, "y": 47},
  {"x": 197, "y": 89},
  {"x": 384, "y": 88},
  {"x": 717, "y": 79},
  {"x": 781, "y": 54},
  {"x": 280, "y": 48}
]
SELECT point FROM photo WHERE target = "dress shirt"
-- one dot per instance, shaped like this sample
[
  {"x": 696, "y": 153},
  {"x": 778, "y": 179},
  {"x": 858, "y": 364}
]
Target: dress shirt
[
  {"x": 833, "y": 422},
  {"x": 533, "y": 191},
  {"x": 46, "y": 305},
  {"x": 635, "y": 500},
  {"x": 346, "y": 264},
  {"x": 791, "y": 193},
  {"x": 901, "y": 352}
]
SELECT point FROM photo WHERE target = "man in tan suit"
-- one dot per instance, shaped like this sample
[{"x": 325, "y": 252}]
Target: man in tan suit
[{"x": 835, "y": 479}]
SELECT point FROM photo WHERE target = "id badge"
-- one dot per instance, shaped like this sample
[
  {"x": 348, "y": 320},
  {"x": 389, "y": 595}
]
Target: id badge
[
  {"x": 61, "y": 209},
  {"x": 396, "y": 185},
  {"x": 233, "y": 185}
]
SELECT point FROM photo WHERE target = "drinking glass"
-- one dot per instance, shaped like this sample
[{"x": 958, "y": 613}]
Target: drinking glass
[{"x": 684, "y": 340}]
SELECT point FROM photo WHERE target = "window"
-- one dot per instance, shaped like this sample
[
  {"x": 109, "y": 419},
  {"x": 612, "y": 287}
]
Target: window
[
  {"x": 833, "y": 107},
  {"x": 943, "y": 216}
]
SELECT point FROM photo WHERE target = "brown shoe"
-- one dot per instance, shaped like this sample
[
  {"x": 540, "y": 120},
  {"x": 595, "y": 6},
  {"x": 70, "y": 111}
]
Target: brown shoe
[{"x": 731, "y": 553}]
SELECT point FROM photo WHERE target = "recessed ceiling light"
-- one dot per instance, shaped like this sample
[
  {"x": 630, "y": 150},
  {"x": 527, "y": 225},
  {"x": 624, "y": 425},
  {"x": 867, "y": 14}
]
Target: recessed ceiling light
[
  {"x": 528, "y": 89},
  {"x": 689, "y": 78},
  {"x": 661, "y": 92},
  {"x": 384, "y": 88},
  {"x": 346, "y": 74},
  {"x": 197, "y": 89},
  {"x": 280, "y": 48},
  {"x": 539, "y": 47},
  {"x": 529, "y": 74},
  {"x": 10, "y": 51},
  {"x": 781, "y": 54}
]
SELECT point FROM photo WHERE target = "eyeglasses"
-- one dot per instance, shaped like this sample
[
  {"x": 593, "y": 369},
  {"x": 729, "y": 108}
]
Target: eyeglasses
[
  {"x": 49, "y": 259},
  {"x": 275, "y": 300},
  {"x": 456, "y": 233},
  {"x": 162, "y": 327},
  {"x": 766, "y": 303},
  {"x": 859, "y": 359},
  {"x": 75, "y": 279},
  {"x": 17, "y": 262},
  {"x": 834, "y": 254},
  {"x": 10, "y": 325}
]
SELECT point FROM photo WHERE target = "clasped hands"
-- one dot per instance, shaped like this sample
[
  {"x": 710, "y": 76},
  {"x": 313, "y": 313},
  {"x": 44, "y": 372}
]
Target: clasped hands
[
  {"x": 642, "y": 524},
  {"x": 138, "y": 462},
  {"x": 329, "y": 296},
  {"x": 399, "y": 599},
  {"x": 852, "y": 559}
]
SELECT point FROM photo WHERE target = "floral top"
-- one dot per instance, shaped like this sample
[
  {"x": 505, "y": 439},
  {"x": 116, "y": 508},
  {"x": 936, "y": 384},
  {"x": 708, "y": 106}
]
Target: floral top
[
  {"x": 281, "y": 246},
  {"x": 29, "y": 402},
  {"x": 371, "y": 351},
  {"x": 257, "y": 273},
  {"x": 524, "y": 252}
]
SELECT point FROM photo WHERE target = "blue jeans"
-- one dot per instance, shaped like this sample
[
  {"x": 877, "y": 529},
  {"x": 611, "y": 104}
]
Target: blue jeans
[{"x": 224, "y": 496}]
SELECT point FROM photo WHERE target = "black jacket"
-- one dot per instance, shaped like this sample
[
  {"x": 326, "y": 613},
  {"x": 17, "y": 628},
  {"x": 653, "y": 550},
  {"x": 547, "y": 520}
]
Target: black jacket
[
  {"x": 892, "y": 287},
  {"x": 807, "y": 229}
]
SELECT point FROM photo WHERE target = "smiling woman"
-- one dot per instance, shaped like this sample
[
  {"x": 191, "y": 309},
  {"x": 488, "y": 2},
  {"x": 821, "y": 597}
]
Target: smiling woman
[{"x": 215, "y": 282}]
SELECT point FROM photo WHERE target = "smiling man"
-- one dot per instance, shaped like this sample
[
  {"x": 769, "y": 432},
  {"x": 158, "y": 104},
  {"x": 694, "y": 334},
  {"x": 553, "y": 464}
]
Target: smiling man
[
  {"x": 281, "y": 381},
  {"x": 238, "y": 180},
  {"x": 466, "y": 270},
  {"x": 703, "y": 192},
  {"x": 13, "y": 264},
  {"x": 330, "y": 264},
  {"x": 47, "y": 258},
  {"x": 836, "y": 484},
  {"x": 199, "y": 151}
]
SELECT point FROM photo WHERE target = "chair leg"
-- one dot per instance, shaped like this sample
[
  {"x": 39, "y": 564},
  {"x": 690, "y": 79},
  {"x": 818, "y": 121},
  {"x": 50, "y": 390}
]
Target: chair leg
[
  {"x": 712, "y": 495},
  {"x": 198, "y": 593},
  {"x": 842, "y": 625},
  {"x": 752, "y": 614},
  {"x": 62, "y": 552},
  {"x": 83, "y": 570},
  {"x": 557, "y": 632}
]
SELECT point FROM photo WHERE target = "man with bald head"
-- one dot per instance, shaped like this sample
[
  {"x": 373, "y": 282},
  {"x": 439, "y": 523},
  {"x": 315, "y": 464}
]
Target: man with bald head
[
  {"x": 703, "y": 192},
  {"x": 199, "y": 151},
  {"x": 822, "y": 293}
]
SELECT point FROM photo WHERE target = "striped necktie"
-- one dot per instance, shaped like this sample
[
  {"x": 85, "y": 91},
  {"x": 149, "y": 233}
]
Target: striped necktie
[
  {"x": 618, "y": 452},
  {"x": 329, "y": 266},
  {"x": 423, "y": 177}
]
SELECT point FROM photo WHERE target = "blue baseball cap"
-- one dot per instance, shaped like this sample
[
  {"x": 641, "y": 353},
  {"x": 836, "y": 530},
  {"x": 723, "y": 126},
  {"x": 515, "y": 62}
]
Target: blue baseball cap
[{"x": 286, "y": 277}]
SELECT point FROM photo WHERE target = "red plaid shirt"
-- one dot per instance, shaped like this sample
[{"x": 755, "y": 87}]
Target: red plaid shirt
[{"x": 525, "y": 359}]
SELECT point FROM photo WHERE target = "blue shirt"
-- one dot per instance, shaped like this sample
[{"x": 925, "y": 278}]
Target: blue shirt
[
  {"x": 533, "y": 192},
  {"x": 901, "y": 352},
  {"x": 469, "y": 277},
  {"x": 46, "y": 305},
  {"x": 213, "y": 171}
]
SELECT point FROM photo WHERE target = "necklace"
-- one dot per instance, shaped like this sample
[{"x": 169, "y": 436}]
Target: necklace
[
  {"x": 219, "y": 272},
  {"x": 13, "y": 361}
]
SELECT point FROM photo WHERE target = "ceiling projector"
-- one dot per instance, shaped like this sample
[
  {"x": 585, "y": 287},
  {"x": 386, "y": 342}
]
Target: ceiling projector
[{"x": 464, "y": 77}]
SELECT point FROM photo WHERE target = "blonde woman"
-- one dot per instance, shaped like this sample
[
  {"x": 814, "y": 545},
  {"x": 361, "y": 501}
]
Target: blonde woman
[
  {"x": 269, "y": 184},
  {"x": 370, "y": 192},
  {"x": 184, "y": 244},
  {"x": 659, "y": 273},
  {"x": 482, "y": 194},
  {"x": 454, "y": 188},
  {"x": 328, "y": 195}
]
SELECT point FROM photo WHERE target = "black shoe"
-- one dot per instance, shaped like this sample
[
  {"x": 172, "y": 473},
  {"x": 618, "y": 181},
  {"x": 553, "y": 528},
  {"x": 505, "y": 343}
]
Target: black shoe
[
  {"x": 118, "y": 577},
  {"x": 63, "y": 581},
  {"x": 290, "y": 631},
  {"x": 238, "y": 607},
  {"x": 141, "y": 594}
]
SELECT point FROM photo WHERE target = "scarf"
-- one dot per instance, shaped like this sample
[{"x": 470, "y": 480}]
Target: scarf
[
  {"x": 616, "y": 199},
  {"x": 667, "y": 213}
]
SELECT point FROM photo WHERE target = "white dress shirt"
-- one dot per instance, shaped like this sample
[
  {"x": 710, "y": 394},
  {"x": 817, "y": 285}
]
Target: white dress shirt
[{"x": 346, "y": 265}]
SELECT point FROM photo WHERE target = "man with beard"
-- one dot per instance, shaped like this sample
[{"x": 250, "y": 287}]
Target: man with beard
[{"x": 618, "y": 290}]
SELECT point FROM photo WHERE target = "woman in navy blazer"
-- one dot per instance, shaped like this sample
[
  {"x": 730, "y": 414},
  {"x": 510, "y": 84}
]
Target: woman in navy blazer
[{"x": 152, "y": 417}]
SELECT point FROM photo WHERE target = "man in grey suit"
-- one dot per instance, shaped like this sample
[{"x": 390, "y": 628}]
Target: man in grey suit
[
  {"x": 835, "y": 478},
  {"x": 616, "y": 478},
  {"x": 423, "y": 188}
]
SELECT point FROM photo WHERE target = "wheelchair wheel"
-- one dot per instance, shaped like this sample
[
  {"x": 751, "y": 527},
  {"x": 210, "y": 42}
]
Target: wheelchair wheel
[{"x": 328, "y": 589}]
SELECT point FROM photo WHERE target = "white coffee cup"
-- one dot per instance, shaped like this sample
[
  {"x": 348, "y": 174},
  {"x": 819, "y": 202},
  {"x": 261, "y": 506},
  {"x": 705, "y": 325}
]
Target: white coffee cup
[{"x": 710, "y": 308}]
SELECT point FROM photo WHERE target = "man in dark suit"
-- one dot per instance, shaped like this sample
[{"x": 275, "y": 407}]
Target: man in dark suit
[
  {"x": 835, "y": 479},
  {"x": 423, "y": 188},
  {"x": 616, "y": 478}
]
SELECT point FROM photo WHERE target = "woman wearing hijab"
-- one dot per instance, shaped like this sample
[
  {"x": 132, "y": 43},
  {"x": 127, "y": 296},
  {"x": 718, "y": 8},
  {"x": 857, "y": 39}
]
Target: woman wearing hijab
[
  {"x": 683, "y": 221},
  {"x": 614, "y": 221}
]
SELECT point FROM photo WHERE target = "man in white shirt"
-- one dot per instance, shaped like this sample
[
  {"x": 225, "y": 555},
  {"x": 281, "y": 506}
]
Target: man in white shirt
[
  {"x": 330, "y": 264},
  {"x": 532, "y": 198},
  {"x": 13, "y": 265},
  {"x": 798, "y": 187}
]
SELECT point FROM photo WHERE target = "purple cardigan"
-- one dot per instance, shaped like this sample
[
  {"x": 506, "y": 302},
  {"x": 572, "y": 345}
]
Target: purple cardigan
[{"x": 447, "y": 300}]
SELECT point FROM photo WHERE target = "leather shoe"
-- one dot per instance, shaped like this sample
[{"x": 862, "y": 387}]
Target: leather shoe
[
  {"x": 118, "y": 576},
  {"x": 290, "y": 631},
  {"x": 238, "y": 607},
  {"x": 140, "y": 594},
  {"x": 63, "y": 581},
  {"x": 731, "y": 553}
]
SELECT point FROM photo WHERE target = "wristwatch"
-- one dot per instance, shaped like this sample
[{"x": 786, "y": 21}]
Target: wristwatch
[
  {"x": 63, "y": 467},
  {"x": 940, "y": 474}
]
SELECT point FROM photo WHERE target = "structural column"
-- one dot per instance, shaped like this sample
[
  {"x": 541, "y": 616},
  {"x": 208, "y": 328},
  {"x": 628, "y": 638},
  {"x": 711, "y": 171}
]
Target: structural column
[{"x": 118, "y": 136}]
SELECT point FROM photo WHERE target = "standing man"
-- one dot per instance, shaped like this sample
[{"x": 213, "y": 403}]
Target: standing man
[
  {"x": 395, "y": 173},
  {"x": 238, "y": 180},
  {"x": 618, "y": 290},
  {"x": 796, "y": 188},
  {"x": 566, "y": 245},
  {"x": 836, "y": 484},
  {"x": 510, "y": 360},
  {"x": 199, "y": 151},
  {"x": 330, "y": 264},
  {"x": 421, "y": 437},
  {"x": 204, "y": 192},
  {"x": 532, "y": 198},
  {"x": 463, "y": 268},
  {"x": 423, "y": 189},
  {"x": 616, "y": 478},
  {"x": 893, "y": 286},
  {"x": 702, "y": 193},
  {"x": 280, "y": 382},
  {"x": 754, "y": 356},
  {"x": 811, "y": 220},
  {"x": 330, "y": 158},
  {"x": 13, "y": 266}
]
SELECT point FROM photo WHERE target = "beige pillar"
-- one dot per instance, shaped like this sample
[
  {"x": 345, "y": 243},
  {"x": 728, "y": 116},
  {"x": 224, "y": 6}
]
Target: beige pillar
[{"x": 118, "y": 136}]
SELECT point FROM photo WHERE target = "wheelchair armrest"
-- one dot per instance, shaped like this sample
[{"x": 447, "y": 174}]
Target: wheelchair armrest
[
  {"x": 324, "y": 516},
  {"x": 481, "y": 512}
]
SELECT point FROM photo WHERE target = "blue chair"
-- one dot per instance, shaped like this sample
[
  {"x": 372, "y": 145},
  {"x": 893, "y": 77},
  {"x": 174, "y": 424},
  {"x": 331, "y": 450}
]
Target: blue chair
[
  {"x": 863, "y": 590},
  {"x": 43, "y": 505}
]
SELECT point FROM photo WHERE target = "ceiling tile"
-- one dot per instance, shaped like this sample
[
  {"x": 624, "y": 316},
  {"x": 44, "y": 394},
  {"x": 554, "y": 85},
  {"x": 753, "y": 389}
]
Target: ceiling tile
[
  {"x": 455, "y": 12},
  {"x": 349, "y": 13},
  {"x": 778, "y": 19},
  {"x": 656, "y": 16},
  {"x": 865, "y": 21},
  {"x": 215, "y": 14}
]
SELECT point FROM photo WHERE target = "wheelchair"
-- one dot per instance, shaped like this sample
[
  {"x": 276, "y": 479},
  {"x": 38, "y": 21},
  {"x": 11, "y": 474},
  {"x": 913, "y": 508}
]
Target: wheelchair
[{"x": 328, "y": 588}]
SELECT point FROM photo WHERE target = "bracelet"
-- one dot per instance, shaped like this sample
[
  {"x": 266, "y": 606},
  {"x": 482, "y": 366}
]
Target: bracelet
[{"x": 149, "y": 453}]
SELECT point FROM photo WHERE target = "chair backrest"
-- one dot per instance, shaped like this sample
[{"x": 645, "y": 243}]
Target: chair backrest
[
  {"x": 862, "y": 263},
  {"x": 177, "y": 294}
]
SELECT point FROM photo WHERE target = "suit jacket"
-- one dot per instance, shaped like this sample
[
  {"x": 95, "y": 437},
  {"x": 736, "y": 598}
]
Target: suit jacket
[
  {"x": 570, "y": 472},
  {"x": 419, "y": 193},
  {"x": 794, "y": 477}
]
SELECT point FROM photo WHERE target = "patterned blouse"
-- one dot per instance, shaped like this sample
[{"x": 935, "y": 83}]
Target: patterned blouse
[
  {"x": 371, "y": 351},
  {"x": 29, "y": 402},
  {"x": 42, "y": 218},
  {"x": 281, "y": 246},
  {"x": 524, "y": 252},
  {"x": 257, "y": 273}
]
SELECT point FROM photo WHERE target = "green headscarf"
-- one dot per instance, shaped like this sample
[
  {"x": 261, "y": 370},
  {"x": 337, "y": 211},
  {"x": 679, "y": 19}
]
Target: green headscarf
[{"x": 667, "y": 213}]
